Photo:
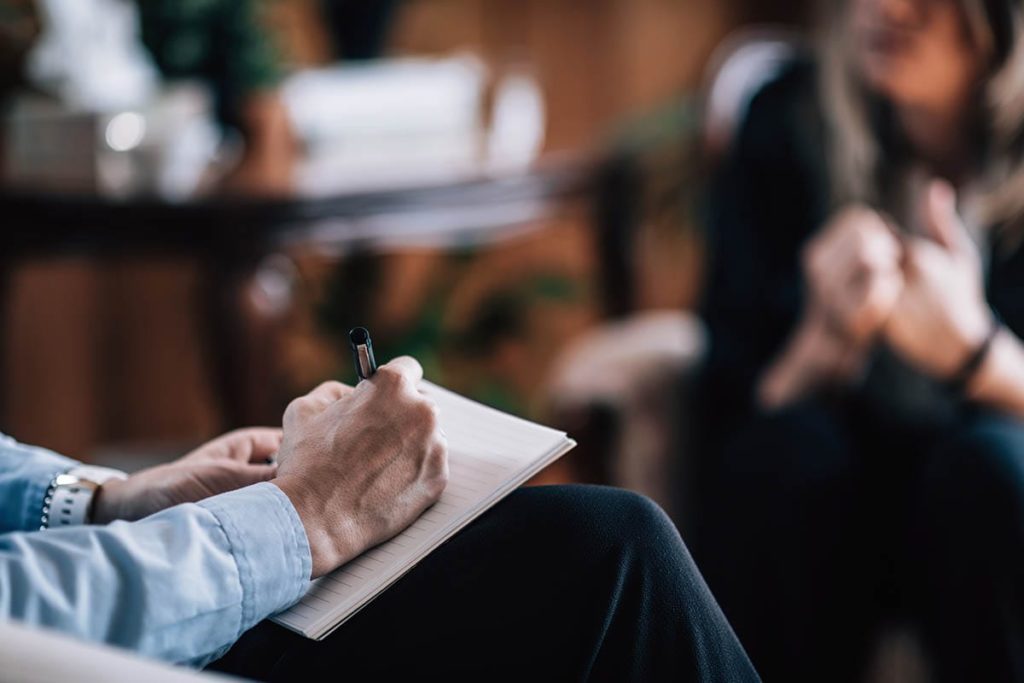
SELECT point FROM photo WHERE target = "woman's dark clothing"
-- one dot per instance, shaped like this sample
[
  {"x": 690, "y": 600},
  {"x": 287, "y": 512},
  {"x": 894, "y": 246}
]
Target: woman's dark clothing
[
  {"x": 565, "y": 583},
  {"x": 816, "y": 523}
]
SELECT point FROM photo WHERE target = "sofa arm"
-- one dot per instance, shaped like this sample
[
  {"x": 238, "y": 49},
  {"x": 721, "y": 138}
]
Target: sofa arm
[
  {"x": 34, "y": 656},
  {"x": 629, "y": 377}
]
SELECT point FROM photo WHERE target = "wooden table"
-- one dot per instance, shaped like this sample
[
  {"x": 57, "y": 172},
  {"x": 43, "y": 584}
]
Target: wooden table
[{"x": 231, "y": 236}]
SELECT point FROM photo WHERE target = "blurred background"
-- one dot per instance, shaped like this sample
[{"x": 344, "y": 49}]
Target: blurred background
[{"x": 201, "y": 197}]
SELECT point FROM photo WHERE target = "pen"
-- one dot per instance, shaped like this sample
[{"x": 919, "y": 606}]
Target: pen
[{"x": 362, "y": 352}]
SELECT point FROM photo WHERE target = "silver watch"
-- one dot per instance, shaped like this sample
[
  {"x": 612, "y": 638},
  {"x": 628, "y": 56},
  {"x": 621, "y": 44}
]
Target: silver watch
[{"x": 68, "y": 500}]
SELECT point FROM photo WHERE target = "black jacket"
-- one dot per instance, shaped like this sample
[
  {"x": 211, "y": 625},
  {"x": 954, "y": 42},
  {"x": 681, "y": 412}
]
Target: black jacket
[{"x": 771, "y": 197}]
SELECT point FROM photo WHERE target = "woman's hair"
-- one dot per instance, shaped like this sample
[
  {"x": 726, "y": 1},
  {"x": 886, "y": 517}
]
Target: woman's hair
[{"x": 870, "y": 161}]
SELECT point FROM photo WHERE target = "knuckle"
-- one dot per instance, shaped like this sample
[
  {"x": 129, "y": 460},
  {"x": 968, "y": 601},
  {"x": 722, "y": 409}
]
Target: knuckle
[
  {"x": 434, "y": 456},
  {"x": 441, "y": 482},
  {"x": 428, "y": 415},
  {"x": 439, "y": 453},
  {"x": 392, "y": 379},
  {"x": 296, "y": 407},
  {"x": 330, "y": 387},
  {"x": 387, "y": 374},
  {"x": 439, "y": 479},
  {"x": 394, "y": 371}
]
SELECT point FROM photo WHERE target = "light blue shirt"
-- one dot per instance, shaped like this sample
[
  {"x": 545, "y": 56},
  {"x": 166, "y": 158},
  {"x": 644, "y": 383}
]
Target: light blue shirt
[{"x": 182, "y": 585}]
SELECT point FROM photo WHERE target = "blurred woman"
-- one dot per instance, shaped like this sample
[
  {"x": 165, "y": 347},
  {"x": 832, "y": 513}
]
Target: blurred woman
[{"x": 864, "y": 399}]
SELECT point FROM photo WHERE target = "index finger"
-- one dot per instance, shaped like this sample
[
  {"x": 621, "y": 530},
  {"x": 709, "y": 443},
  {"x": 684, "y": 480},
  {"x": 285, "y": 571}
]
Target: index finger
[
  {"x": 252, "y": 444},
  {"x": 259, "y": 444},
  {"x": 329, "y": 392},
  {"x": 404, "y": 366}
]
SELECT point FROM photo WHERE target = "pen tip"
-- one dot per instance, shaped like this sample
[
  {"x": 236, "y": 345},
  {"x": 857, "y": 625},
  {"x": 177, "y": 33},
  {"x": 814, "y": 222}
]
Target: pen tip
[{"x": 359, "y": 335}]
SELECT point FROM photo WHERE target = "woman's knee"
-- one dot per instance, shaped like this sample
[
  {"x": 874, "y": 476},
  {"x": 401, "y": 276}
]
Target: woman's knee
[
  {"x": 983, "y": 458},
  {"x": 975, "y": 480},
  {"x": 802, "y": 450}
]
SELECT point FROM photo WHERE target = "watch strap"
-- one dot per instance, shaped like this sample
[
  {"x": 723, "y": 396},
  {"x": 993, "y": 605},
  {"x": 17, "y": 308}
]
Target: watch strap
[{"x": 68, "y": 500}]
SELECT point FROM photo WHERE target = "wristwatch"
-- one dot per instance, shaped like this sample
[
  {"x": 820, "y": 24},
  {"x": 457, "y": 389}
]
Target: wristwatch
[{"x": 68, "y": 500}]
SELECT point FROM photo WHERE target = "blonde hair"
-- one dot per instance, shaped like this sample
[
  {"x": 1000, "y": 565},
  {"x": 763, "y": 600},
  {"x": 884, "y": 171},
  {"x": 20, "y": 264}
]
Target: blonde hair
[{"x": 864, "y": 170}]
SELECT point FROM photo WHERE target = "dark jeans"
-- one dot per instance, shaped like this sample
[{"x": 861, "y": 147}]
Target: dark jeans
[
  {"x": 555, "y": 583},
  {"x": 818, "y": 525}
]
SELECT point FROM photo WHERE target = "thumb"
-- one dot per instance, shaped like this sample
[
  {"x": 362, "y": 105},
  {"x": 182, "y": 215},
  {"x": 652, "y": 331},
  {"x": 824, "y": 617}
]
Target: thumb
[
  {"x": 941, "y": 221},
  {"x": 256, "y": 444},
  {"x": 254, "y": 474}
]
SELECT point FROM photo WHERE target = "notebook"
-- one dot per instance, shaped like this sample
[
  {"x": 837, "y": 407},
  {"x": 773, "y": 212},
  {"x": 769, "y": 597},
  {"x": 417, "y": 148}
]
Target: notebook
[{"x": 490, "y": 454}]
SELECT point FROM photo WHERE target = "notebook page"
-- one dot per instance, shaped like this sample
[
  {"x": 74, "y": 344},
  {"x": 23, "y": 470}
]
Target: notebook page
[{"x": 490, "y": 454}]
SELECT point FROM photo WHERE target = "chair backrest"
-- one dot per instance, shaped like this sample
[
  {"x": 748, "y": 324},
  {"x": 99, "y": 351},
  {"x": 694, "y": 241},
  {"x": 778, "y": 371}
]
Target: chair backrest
[{"x": 743, "y": 64}]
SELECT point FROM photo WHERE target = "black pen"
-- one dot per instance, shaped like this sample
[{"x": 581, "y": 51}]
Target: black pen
[{"x": 362, "y": 352}]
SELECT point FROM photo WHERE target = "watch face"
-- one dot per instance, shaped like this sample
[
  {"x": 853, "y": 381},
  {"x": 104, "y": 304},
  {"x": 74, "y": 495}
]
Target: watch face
[{"x": 66, "y": 480}]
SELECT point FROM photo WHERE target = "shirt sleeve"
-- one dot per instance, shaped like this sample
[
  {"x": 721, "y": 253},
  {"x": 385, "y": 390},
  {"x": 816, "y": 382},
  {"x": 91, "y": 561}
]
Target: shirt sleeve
[
  {"x": 181, "y": 586},
  {"x": 25, "y": 474}
]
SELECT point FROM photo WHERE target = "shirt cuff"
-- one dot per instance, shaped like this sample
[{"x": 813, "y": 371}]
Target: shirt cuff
[
  {"x": 35, "y": 474},
  {"x": 269, "y": 544}
]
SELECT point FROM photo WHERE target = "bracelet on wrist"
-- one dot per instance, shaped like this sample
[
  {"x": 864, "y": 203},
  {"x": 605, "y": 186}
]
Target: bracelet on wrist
[{"x": 961, "y": 379}]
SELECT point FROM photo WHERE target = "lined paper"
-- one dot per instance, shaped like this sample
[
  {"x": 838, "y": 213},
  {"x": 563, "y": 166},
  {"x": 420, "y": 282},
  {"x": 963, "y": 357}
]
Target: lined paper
[{"x": 490, "y": 454}]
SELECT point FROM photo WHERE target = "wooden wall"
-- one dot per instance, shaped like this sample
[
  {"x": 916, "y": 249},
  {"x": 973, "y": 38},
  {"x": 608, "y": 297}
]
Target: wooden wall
[{"x": 598, "y": 60}]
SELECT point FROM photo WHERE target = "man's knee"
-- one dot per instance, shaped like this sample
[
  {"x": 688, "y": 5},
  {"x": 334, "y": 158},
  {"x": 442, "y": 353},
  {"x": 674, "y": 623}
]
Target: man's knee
[
  {"x": 635, "y": 520},
  {"x": 594, "y": 521}
]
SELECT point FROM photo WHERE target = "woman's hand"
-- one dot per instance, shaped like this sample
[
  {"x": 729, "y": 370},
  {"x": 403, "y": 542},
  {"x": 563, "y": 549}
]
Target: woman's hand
[
  {"x": 853, "y": 274},
  {"x": 229, "y": 462},
  {"x": 817, "y": 355},
  {"x": 853, "y": 278},
  {"x": 941, "y": 316}
]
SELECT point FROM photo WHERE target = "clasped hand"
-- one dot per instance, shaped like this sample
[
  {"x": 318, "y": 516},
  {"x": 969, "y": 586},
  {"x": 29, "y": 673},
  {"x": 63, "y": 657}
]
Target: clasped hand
[{"x": 922, "y": 295}]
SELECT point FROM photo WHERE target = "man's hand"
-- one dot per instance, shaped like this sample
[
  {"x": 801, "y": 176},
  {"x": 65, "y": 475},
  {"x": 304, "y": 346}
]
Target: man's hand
[
  {"x": 360, "y": 465},
  {"x": 230, "y": 462}
]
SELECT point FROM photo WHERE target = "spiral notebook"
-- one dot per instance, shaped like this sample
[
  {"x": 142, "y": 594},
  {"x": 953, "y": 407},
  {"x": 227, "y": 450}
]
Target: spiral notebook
[{"x": 490, "y": 454}]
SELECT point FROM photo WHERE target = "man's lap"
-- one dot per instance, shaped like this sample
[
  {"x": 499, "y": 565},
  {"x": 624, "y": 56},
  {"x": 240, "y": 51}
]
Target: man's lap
[
  {"x": 533, "y": 588},
  {"x": 502, "y": 577}
]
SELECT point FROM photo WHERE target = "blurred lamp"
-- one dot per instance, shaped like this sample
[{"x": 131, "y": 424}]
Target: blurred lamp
[{"x": 125, "y": 131}]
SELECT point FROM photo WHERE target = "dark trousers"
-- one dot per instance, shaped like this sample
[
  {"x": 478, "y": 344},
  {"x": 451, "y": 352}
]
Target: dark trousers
[
  {"x": 816, "y": 526},
  {"x": 555, "y": 583}
]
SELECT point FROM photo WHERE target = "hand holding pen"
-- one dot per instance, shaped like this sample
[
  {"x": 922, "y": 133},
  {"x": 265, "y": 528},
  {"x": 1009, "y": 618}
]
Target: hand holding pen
[{"x": 361, "y": 464}]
